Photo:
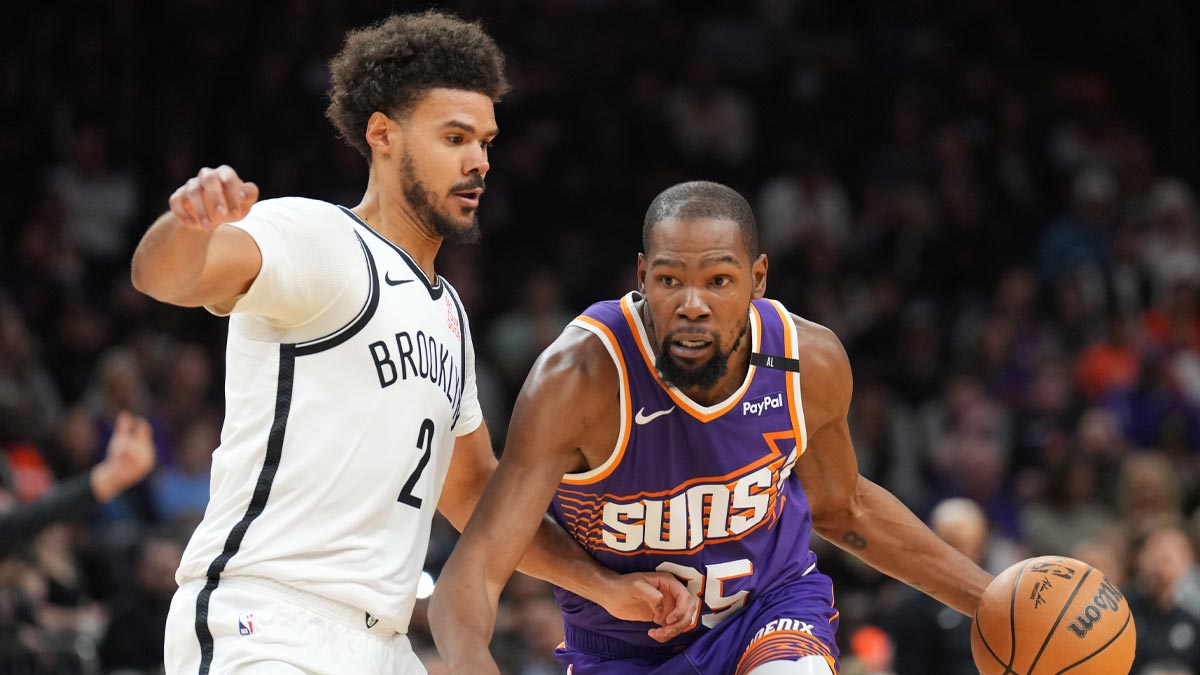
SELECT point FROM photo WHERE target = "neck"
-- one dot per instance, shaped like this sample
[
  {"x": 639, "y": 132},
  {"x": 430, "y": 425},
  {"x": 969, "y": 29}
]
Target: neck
[
  {"x": 393, "y": 217},
  {"x": 739, "y": 363}
]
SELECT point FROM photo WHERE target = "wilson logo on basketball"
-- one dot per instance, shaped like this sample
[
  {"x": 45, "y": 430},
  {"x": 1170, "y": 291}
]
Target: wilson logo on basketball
[{"x": 1107, "y": 597}]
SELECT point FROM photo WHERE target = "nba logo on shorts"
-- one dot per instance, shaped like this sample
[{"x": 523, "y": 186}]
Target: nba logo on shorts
[{"x": 246, "y": 623}]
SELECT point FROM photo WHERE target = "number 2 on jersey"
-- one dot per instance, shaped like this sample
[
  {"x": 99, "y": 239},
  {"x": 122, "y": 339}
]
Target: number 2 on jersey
[{"x": 424, "y": 440}]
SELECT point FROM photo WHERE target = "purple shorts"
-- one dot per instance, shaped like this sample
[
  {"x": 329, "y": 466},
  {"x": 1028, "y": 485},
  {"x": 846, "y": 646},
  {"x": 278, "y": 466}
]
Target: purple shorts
[{"x": 784, "y": 624}]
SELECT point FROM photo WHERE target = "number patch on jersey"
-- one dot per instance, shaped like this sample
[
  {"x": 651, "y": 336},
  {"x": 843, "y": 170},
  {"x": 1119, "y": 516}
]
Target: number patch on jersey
[{"x": 424, "y": 440}]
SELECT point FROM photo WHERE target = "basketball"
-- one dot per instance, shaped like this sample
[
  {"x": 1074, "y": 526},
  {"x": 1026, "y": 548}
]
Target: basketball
[{"x": 1052, "y": 615}]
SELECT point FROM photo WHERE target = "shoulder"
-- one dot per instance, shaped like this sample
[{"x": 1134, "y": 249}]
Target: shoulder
[
  {"x": 310, "y": 228},
  {"x": 576, "y": 358},
  {"x": 820, "y": 347},
  {"x": 575, "y": 378},
  {"x": 301, "y": 216},
  {"x": 824, "y": 369}
]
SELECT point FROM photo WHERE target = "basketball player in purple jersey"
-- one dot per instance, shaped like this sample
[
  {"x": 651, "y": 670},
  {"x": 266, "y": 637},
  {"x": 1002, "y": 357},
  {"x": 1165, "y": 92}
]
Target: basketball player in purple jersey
[{"x": 666, "y": 431}]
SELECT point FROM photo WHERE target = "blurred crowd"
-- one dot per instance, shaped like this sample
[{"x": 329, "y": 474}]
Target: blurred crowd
[{"x": 993, "y": 205}]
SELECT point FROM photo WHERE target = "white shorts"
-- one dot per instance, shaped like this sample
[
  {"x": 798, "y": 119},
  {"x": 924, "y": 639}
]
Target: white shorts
[{"x": 261, "y": 627}]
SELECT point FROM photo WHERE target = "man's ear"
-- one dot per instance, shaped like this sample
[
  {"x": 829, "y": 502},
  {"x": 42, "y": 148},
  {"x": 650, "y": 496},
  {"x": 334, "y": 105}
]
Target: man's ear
[
  {"x": 759, "y": 273},
  {"x": 383, "y": 135}
]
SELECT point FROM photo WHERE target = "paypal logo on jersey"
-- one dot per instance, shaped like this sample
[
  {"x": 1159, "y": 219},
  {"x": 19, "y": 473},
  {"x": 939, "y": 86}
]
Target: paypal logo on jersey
[{"x": 768, "y": 402}]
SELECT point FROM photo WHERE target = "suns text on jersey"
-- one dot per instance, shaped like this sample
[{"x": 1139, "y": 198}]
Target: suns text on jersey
[{"x": 421, "y": 356}]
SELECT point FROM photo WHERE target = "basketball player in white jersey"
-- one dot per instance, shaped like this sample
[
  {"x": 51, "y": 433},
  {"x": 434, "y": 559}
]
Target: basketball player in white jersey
[{"x": 351, "y": 410}]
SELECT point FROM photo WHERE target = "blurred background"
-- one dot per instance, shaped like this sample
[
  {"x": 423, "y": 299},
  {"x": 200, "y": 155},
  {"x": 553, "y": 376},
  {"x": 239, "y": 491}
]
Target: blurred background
[{"x": 993, "y": 204}]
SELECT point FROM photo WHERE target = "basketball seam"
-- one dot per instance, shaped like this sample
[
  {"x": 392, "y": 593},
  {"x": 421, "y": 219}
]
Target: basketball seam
[
  {"x": 1067, "y": 604},
  {"x": 1128, "y": 618},
  {"x": 983, "y": 639},
  {"x": 1012, "y": 620}
]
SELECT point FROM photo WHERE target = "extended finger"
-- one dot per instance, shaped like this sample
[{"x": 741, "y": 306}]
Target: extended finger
[
  {"x": 142, "y": 428},
  {"x": 124, "y": 423}
]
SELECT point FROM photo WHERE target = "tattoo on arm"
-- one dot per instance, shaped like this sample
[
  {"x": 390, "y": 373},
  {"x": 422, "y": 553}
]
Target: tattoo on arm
[{"x": 854, "y": 540}]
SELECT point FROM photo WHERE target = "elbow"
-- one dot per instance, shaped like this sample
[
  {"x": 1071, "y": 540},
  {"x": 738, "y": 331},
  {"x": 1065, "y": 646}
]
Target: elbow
[
  {"x": 146, "y": 283},
  {"x": 832, "y": 523},
  {"x": 143, "y": 280},
  {"x": 137, "y": 276},
  {"x": 833, "y": 516}
]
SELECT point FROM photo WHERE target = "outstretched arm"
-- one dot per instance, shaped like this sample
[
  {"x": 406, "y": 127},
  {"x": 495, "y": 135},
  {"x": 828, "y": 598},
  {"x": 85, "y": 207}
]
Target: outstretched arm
[
  {"x": 858, "y": 515},
  {"x": 558, "y": 403}
]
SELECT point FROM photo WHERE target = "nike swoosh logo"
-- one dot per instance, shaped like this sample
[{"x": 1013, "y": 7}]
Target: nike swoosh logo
[
  {"x": 394, "y": 282},
  {"x": 642, "y": 418}
]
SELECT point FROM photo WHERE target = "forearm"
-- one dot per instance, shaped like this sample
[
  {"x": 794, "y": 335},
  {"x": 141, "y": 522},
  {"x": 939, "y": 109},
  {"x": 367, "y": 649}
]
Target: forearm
[
  {"x": 555, "y": 556},
  {"x": 67, "y": 499},
  {"x": 170, "y": 259},
  {"x": 886, "y": 535},
  {"x": 462, "y": 614}
]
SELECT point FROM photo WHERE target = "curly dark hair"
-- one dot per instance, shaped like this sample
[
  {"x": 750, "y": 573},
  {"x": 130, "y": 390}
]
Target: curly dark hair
[{"x": 387, "y": 67}]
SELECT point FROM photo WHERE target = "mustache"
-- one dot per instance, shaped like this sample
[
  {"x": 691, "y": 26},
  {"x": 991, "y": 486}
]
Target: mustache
[
  {"x": 475, "y": 182},
  {"x": 670, "y": 337}
]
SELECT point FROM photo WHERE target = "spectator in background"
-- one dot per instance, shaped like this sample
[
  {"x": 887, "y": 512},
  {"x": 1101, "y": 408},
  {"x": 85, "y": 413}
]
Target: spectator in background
[
  {"x": 135, "y": 634},
  {"x": 28, "y": 398},
  {"x": 99, "y": 200},
  {"x": 1148, "y": 491},
  {"x": 1165, "y": 598},
  {"x": 1110, "y": 364},
  {"x": 1075, "y": 243},
  {"x": 180, "y": 491},
  {"x": 1108, "y": 553},
  {"x": 713, "y": 123},
  {"x": 130, "y": 456},
  {"x": 803, "y": 203},
  {"x": 1171, "y": 242},
  {"x": 930, "y": 638},
  {"x": 1067, "y": 513},
  {"x": 519, "y": 335}
]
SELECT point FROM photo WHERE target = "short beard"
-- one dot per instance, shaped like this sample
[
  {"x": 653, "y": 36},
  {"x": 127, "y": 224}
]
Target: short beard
[
  {"x": 704, "y": 376},
  {"x": 422, "y": 202}
]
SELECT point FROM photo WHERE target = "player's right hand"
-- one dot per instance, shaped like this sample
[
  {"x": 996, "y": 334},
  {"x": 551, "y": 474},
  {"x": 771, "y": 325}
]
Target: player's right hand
[
  {"x": 654, "y": 596},
  {"x": 213, "y": 197}
]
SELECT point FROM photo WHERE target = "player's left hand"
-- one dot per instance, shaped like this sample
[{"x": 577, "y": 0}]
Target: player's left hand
[{"x": 653, "y": 596}]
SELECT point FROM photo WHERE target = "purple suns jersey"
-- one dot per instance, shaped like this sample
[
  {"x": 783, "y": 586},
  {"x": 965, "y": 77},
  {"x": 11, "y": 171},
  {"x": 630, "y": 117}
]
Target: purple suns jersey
[{"x": 702, "y": 492}]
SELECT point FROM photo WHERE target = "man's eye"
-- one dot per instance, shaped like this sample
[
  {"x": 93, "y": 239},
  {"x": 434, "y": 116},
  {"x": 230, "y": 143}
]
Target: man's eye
[{"x": 455, "y": 139}]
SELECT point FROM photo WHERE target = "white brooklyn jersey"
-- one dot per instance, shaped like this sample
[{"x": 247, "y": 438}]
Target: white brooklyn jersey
[{"x": 349, "y": 377}]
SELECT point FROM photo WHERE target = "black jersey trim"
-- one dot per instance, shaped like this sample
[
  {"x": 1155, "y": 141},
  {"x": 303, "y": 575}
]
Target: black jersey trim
[
  {"x": 774, "y": 361},
  {"x": 462, "y": 328},
  {"x": 258, "y": 502},
  {"x": 357, "y": 323},
  {"x": 435, "y": 288}
]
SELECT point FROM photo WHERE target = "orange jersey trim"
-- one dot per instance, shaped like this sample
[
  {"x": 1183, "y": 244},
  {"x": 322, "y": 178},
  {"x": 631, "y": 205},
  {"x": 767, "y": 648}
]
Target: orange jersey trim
[
  {"x": 789, "y": 645},
  {"x": 614, "y": 350},
  {"x": 704, "y": 414}
]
